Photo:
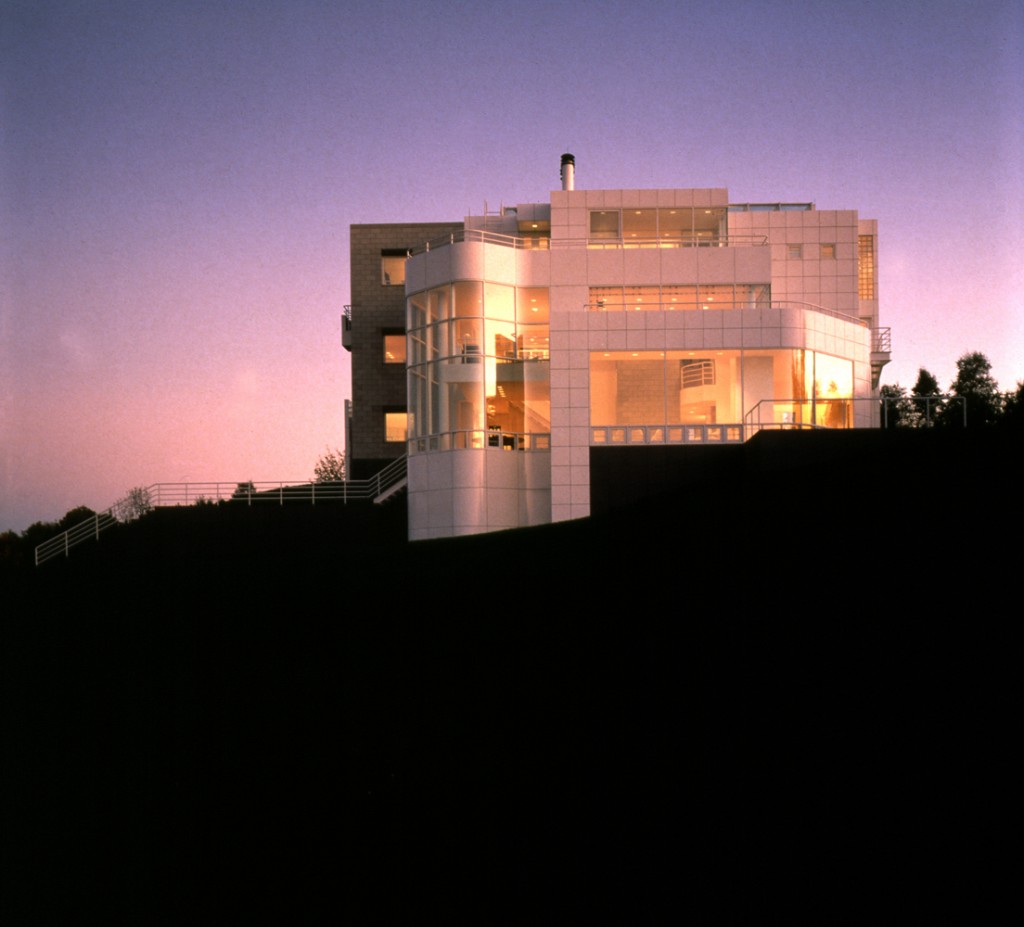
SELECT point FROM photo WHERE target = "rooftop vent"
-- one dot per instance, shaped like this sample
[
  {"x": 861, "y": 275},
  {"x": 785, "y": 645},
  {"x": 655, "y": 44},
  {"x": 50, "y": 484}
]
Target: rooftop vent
[{"x": 568, "y": 171}]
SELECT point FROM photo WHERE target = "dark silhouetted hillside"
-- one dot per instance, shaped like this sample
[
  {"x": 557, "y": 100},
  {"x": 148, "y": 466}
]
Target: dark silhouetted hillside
[{"x": 794, "y": 671}]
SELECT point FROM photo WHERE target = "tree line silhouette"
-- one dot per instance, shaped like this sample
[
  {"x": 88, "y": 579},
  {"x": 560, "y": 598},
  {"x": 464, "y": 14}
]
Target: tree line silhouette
[{"x": 973, "y": 400}]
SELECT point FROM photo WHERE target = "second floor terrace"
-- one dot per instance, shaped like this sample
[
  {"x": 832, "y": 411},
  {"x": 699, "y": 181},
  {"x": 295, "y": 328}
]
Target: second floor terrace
[{"x": 546, "y": 242}]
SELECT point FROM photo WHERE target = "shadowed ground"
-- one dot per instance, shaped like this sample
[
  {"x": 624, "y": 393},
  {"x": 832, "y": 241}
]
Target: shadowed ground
[{"x": 294, "y": 707}]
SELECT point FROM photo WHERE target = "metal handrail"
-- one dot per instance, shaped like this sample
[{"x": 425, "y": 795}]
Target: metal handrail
[
  {"x": 480, "y": 235},
  {"x": 170, "y": 495},
  {"x": 478, "y": 439},
  {"x": 542, "y": 243},
  {"x": 806, "y": 413},
  {"x": 683, "y": 241},
  {"x": 624, "y": 306}
]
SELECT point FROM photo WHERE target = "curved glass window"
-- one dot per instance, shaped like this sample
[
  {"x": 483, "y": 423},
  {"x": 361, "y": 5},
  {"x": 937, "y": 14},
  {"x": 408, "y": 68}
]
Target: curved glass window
[{"x": 478, "y": 366}]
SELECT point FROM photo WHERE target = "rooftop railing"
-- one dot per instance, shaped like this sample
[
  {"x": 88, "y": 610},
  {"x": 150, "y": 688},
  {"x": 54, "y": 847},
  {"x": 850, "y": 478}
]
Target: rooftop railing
[{"x": 541, "y": 243}]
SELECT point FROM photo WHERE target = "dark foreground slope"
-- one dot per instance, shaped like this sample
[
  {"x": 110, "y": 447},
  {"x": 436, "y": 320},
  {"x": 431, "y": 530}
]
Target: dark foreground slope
[{"x": 727, "y": 687}]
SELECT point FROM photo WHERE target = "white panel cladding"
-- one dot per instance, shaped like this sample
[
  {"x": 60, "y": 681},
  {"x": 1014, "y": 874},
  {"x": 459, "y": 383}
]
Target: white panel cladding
[
  {"x": 496, "y": 488},
  {"x": 476, "y": 490}
]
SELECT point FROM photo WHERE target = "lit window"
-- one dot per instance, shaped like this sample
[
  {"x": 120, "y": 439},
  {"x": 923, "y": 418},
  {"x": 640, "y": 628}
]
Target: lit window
[
  {"x": 866, "y": 267},
  {"x": 794, "y": 252},
  {"x": 828, "y": 252},
  {"x": 395, "y": 425},
  {"x": 392, "y": 268},
  {"x": 604, "y": 224},
  {"x": 394, "y": 347}
]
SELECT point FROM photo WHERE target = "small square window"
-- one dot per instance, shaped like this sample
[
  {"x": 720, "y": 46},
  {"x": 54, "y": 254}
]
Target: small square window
[
  {"x": 828, "y": 252},
  {"x": 604, "y": 223},
  {"x": 392, "y": 268},
  {"x": 794, "y": 252},
  {"x": 394, "y": 347}
]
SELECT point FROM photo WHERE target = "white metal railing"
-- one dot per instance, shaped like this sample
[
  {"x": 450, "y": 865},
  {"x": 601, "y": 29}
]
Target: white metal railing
[
  {"x": 168, "y": 495},
  {"x": 84, "y": 531},
  {"x": 727, "y": 306},
  {"x": 614, "y": 435},
  {"x": 767, "y": 415},
  {"x": 683, "y": 241},
  {"x": 542, "y": 243},
  {"x": 480, "y": 235},
  {"x": 920, "y": 411},
  {"x": 825, "y": 413},
  {"x": 474, "y": 439}
]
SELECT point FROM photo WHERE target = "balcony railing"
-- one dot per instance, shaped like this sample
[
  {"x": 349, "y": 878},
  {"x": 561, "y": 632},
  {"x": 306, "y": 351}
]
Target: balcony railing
[
  {"x": 479, "y": 235},
  {"x": 538, "y": 243},
  {"x": 614, "y": 435},
  {"x": 722, "y": 305},
  {"x": 684, "y": 241},
  {"x": 768, "y": 415},
  {"x": 472, "y": 439}
]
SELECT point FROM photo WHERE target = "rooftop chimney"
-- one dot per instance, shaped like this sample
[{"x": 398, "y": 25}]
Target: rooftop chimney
[{"x": 568, "y": 171}]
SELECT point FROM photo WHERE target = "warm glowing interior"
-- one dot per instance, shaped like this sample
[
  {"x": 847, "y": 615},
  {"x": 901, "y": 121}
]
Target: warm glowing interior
[
  {"x": 478, "y": 370},
  {"x": 714, "y": 387}
]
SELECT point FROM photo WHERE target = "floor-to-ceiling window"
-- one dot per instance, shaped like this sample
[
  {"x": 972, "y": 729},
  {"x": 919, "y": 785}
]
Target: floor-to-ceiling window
[
  {"x": 478, "y": 366},
  {"x": 713, "y": 387}
]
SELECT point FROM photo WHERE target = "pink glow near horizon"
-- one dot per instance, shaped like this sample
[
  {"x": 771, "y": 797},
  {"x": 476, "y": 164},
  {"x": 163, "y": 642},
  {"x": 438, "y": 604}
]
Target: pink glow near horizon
[{"x": 179, "y": 181}]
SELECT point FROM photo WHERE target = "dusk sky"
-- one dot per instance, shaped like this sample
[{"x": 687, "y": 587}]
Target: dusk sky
[{"x": 177, "y": 181}]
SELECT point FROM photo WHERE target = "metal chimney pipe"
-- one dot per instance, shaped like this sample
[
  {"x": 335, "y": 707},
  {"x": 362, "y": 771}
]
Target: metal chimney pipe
[{"x": 568, "y": 171}]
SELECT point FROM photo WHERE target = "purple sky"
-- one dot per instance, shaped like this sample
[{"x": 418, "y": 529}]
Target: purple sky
[{"x": 177, "y": 179}]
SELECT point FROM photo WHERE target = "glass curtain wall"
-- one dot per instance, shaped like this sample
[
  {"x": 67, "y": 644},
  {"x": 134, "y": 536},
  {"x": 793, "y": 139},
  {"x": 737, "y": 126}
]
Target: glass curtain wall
[
  {"x": 478, "y": 366},
  {"x": 672, "y": 297},
  {"x": 653, "y": 228},
  {"x": 720, "y": 387}
]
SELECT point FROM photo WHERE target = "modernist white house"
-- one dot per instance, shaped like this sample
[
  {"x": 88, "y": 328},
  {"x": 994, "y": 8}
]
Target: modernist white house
[{"x": 538, "y": 336}]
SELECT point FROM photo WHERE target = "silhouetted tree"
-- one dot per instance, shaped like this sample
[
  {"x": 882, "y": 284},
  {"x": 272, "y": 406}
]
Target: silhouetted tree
[
  {"x": 977, "y": 390},
  {"x": 897, "y": 408},
  {"x": 927, "y": 399},
  {"x": 75, "y": 516},
  {"x": 134, "y": 505},
  {"x": 1013, "y": 408},
  {"x": 330, "y": 468},
  {"x": 12, "y": 551}
]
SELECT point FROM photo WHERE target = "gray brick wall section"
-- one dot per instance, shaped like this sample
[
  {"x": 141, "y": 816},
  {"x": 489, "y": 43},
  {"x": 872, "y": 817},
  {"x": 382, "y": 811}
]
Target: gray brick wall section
[{"x": 378, "y": 387}]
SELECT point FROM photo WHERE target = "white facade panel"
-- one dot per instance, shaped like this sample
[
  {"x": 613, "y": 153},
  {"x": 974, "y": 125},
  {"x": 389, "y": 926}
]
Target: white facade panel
[{"x": 761, "y": 300}]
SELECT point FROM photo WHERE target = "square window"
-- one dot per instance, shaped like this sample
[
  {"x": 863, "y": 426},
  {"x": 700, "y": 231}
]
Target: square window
[
  {"x": 828, "y": 252},
  {"x": 394, "y": 348},
  {"x": 604, "y": 224},
  {"x": 794, "y": 252},
  {"x": 392, "y": 268}
]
